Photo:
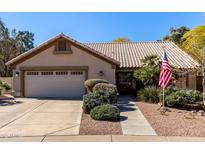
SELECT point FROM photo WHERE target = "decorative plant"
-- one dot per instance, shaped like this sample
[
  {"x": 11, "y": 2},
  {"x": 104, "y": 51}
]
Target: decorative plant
[
  {"x": 148, "y": 74},
  {"x": 105, "y": 112},
  {"x": 90, "y": 83},
  {"x": 4, "y": 87}
]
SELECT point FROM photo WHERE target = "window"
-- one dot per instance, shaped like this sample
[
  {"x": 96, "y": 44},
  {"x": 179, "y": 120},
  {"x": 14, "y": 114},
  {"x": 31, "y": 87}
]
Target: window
[
  {"x": 63, "y": 45},
  {"x": 76, "y": 73},
  {"x": 61, "y": 73},
  {"x": 46, "y": 73},
  {"x": 32, "y": 73}
]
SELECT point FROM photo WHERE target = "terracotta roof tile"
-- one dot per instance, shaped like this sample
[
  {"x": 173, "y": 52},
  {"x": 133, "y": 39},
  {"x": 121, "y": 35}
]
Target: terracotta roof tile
[{"x": 130, "y": 54}]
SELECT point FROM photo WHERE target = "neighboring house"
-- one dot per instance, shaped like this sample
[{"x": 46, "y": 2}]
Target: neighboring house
[{"x": 59, "y": 67}]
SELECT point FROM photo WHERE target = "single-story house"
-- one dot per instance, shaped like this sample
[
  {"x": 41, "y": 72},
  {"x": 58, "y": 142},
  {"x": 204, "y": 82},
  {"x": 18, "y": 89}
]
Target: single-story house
[{"x": 59, "y": 66}]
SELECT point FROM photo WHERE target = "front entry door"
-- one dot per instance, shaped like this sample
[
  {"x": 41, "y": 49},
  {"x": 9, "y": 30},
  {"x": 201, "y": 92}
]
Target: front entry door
[{"x": 125, "y": 82}]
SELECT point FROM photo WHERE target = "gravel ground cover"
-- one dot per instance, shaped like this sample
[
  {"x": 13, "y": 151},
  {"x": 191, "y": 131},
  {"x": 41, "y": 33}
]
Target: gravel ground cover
[
  {"x": 175, "y": 123},
  {"x": 93, "y": 127}
]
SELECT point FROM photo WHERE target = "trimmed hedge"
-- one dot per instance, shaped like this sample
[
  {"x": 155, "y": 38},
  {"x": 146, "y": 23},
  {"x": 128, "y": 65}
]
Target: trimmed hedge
[
  {"x": 105, "y": 112},
  {"x": 90, "y": 83},
  {"x": 99, "y": 97},
  {"x": 104, "y": 85}
]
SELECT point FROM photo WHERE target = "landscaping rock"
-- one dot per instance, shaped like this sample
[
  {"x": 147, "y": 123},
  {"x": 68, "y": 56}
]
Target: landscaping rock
[{"x": 200, "y": 113}]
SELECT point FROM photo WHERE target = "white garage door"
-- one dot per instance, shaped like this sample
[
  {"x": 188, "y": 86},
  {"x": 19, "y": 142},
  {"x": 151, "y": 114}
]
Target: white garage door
[{"x": 54, "y": 84}]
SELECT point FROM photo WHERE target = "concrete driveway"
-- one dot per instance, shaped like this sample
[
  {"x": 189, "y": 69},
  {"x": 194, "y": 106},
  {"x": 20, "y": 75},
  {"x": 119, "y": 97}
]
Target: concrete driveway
[{"x": 39, "y": 117}]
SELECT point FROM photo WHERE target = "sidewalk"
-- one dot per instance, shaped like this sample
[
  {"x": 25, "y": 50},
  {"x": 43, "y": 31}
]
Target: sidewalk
[
  {"x": 102, "y": 138},
  {"x": 132, "y": 120}
]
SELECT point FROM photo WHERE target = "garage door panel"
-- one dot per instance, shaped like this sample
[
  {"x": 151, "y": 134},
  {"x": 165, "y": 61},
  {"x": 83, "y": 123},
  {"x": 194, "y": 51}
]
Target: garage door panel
[{"x": 55, "y": 84}]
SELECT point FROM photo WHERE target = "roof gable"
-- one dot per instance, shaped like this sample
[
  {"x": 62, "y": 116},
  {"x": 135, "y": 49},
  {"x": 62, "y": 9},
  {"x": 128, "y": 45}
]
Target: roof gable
[{"x": 48, "y": 43}]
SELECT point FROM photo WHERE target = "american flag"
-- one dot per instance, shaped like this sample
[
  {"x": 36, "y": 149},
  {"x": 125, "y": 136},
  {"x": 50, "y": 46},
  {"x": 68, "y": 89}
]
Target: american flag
[{"x": 165, "y": 74}]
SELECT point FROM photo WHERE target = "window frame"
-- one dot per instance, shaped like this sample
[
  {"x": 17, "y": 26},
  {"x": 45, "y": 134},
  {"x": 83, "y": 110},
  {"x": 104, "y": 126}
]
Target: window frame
[{"x": 68, "y": 47}]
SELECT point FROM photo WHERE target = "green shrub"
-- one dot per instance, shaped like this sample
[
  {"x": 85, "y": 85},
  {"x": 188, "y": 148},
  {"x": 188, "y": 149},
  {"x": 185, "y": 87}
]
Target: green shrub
[
  {"x": 99, "y": 97},
  {"x": 183, "y": 97},
  {"x": 105, "y": 112},
  {"x": 104, "y": 85},
  {"x": 149, "y": 94},
  {"x": 167, "y": 92},
  {"x": 90, "y": 83},
  {"x": 173, "y": 96},
  {"x": 4, "y": 86}
]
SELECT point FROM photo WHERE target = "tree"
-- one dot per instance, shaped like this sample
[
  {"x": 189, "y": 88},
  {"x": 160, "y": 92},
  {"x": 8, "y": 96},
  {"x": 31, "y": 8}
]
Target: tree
[
  {"x": 149, "y": 73},
  {"x": 121, "y": 40},
  {"x": 176, "y": 35},
  {"x": 11, "y": 45},
  {"x": 194, "y": 42},
  {"x": 24, "y": 40}
]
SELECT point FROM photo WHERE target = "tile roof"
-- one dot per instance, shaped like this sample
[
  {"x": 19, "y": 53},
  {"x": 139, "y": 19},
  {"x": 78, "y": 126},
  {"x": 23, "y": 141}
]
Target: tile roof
[{"x": 130, "y": 54}]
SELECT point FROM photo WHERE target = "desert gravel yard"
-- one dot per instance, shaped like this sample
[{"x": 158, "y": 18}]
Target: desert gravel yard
[
  {"x": 174, "y": 123},
  {"x": 94, "y": 127},
  {"x": 39, "y": 117}
]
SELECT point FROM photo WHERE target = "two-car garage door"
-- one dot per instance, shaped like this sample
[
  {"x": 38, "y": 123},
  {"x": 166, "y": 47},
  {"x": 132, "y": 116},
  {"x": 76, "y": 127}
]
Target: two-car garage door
[{"x": 54, "y": 84}]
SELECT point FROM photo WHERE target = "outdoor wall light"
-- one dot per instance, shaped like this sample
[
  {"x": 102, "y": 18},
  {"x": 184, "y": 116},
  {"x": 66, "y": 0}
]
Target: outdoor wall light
[
  {"x": 101, "y": 73},
  {"x": 17, "y": 74}
]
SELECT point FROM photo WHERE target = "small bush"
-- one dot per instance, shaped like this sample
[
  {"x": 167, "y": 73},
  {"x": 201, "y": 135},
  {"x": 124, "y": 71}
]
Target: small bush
[
  {"x": 99, "y": 97},
  {"x": 183, "y": 97},
  {"x": 104, "y": 85},
  {"x": 4, "y": 86},
  {"x": 149, "y": 94},
  {"x": 90, "y": 83},
  {"x": 105, "y": 112},
  {"x": 173, "y": 96},
  {"x": 167, "y": 92}
]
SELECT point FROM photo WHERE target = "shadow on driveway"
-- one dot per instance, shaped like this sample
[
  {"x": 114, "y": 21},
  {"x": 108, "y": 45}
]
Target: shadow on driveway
[{"x": 9, "y": 101}]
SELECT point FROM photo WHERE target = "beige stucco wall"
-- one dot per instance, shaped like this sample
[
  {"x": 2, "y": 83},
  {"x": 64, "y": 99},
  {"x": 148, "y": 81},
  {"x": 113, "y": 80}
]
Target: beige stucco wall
[{"x": 77, "y": 58}]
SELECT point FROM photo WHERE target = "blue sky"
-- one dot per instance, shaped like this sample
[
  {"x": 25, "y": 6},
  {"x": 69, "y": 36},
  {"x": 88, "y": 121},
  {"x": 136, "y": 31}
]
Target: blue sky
[{"x": 101, "y": 27}]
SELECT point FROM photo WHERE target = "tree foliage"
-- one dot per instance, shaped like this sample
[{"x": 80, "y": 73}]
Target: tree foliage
[
  {"x": 176, "y": 35},
  {"x": 149, "y": 73},
  {"x": 194, "y": 42},
  {"x": 12, "y": 43},
  {"x": 121, "y": 40}
]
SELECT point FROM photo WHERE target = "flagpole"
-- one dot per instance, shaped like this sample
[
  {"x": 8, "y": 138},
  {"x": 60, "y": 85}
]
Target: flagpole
[
  {"x": 163, "y": 98},
  {"x": 163, "y": 47}
]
